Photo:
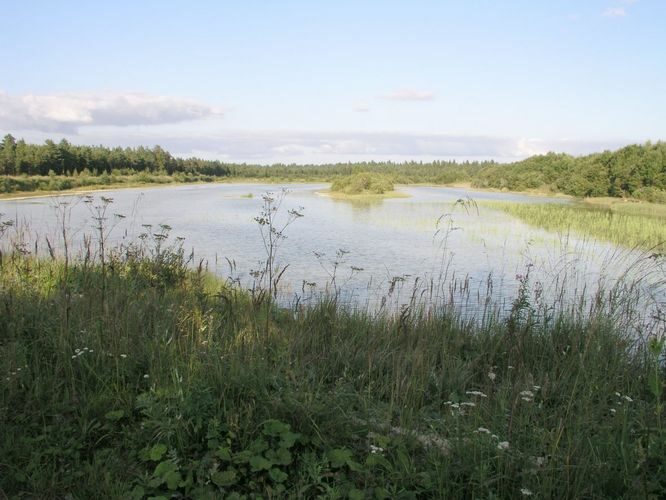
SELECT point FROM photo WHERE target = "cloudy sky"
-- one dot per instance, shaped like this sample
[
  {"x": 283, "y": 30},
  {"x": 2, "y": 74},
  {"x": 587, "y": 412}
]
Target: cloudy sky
[{"x": 326, "y": 81}]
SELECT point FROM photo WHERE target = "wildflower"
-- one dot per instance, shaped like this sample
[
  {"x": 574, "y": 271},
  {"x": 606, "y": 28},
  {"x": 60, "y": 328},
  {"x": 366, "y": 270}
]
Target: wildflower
[
  {"x": 146, "y": 376},
  {"x": 476, "y": 393},
  {"x": 527, "y": 395},
  {"x": 628, "y": 399},
  {"x": 492, "y": 376},
  {"x": 536, "y": 387},
  {"x": 483, "y": 430},
  {"x": 468, "y": 403},
  {"x": 376, "y": 449},
  {"x": 613, "y": 411},
  {"x": 503, "y": 445},
  {"x": 123, "y": 356},
  {"x": 618, "y": 394},
  {"x": 526, "y": 492}
]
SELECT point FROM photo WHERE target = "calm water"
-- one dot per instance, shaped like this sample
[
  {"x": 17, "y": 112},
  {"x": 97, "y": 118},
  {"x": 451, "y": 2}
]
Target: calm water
[{"x": 392, "y": 241}]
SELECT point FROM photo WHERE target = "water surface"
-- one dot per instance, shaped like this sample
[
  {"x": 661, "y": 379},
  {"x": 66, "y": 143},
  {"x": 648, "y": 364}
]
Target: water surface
[{"x": 449, "y": 249}]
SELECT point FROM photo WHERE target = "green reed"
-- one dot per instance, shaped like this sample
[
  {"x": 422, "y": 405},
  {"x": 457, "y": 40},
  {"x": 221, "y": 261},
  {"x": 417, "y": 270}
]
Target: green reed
[{"x": 623, "y": 228}]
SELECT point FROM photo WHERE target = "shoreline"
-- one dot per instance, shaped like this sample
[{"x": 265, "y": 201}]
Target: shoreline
[
  {"x": 335, "y": 195},
  {"x": 596, "y": 201}
]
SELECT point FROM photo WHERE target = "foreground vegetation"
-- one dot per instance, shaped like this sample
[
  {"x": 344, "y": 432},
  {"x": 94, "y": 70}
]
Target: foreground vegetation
[
  {"x": 636, "y": 171},
  {"x": 127, "y": 375},
  {"x": 631, "y": 226}
]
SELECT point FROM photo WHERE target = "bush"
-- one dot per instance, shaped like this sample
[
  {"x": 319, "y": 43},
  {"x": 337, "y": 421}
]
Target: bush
[{"x": 363, "y": 183}]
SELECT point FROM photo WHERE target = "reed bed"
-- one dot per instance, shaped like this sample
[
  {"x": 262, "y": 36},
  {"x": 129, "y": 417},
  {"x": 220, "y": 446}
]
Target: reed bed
[{"x": 627, "y": 228}]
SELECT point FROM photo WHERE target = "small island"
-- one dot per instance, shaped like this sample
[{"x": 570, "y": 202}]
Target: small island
[{"x": 363, "y": 185}]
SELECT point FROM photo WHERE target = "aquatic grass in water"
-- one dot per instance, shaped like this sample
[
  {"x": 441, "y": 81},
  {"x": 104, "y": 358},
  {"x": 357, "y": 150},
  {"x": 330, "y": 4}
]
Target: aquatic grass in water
[{"x": 628, "y": 230}]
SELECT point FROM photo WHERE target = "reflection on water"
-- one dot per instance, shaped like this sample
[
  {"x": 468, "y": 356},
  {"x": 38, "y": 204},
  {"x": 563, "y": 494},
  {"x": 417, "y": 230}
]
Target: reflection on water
[{"x": 393, "y": 245}]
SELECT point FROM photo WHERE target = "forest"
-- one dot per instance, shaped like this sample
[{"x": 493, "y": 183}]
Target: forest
[{"x": 635, "y": 171}]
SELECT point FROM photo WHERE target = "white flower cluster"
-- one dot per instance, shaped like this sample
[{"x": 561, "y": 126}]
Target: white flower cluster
[
  {"x": 14, "y": 373},
  {"x": 476, "y": 393},
  {"x": 81, "y": 352},
  {"x": 528, "y": 395},
  {"x": 460, "y": 407}
]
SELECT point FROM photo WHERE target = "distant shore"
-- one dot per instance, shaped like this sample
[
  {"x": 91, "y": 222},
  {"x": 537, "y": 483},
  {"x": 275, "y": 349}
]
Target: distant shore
[{"x": 600, "y": 202}]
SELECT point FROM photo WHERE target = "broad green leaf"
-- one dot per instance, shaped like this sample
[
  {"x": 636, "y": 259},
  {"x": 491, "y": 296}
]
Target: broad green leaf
[
  {"x": 356, "y": 494},
  {"x": 157, "y": 452},
  {"x": 137, "y": 493},
  {"x": 173, "y": 479},
  {"x": 258, "y": 446},
  {"x": 275, "y": 428},
  {"x": 258, "y": 463},
  {"x": 339, "y": 457},
  {"x": 114, "y": 415},
  {"x": 223, "y": 453},
  {"x": 288, "y": 439},
  {"x": 283, "y": 456},
  {"x": 225, "y": 478},
  {"x": 375, "y": 459},
  {"x": 381, "y": 493},
  {"x": 163, "y": 468},
  {"x": 277, "y": 475}
]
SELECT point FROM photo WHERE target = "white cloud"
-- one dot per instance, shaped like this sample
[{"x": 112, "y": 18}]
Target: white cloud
[
  {"x": 361, "y": 107},
  {"x": 615, "y": 12},
  {"x": 69, "y": 111},
  {"x": 410, "y": 95}
]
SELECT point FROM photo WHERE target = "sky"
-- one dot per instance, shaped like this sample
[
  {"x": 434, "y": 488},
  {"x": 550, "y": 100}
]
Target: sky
[{"x": 336, "y": 81}]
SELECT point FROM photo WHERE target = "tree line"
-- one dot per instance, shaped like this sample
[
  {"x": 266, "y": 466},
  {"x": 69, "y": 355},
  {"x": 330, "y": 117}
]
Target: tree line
[{"x": 637, "y": 171}]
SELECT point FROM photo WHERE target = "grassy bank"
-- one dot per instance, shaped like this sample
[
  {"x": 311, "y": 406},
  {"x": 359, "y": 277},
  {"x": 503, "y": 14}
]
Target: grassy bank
[
  {"x": 640, "y": 225},
  {"x": 127, "y": 375},
  {"x": 44, "y": 185}
]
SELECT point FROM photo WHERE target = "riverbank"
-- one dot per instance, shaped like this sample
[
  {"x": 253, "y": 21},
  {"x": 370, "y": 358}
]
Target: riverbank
[
  {"x": 627, "y": 204},
  {"x": 130, "y": 376}
]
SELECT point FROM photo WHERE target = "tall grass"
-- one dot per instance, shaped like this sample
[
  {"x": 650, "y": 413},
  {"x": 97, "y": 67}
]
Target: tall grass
[
  {"x": 623, "y": 228},
  {"x": 126, "y": 374}
]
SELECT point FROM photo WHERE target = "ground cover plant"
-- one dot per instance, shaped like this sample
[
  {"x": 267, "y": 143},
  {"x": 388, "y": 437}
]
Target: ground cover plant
[{"x": 127, "y": 373}]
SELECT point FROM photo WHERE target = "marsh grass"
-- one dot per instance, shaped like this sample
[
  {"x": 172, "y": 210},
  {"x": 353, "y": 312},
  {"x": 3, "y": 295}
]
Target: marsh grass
[
  {"x": 132, "y": 375},
  {"x": 629, "y": 226}
]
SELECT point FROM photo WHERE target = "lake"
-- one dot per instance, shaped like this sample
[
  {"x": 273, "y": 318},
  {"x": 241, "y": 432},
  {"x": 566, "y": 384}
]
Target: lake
[{"x": 373, "y": 254}]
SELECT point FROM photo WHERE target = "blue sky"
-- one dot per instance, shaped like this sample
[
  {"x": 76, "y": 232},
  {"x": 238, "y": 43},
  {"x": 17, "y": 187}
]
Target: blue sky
[{"x": 305, "y": 81}]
